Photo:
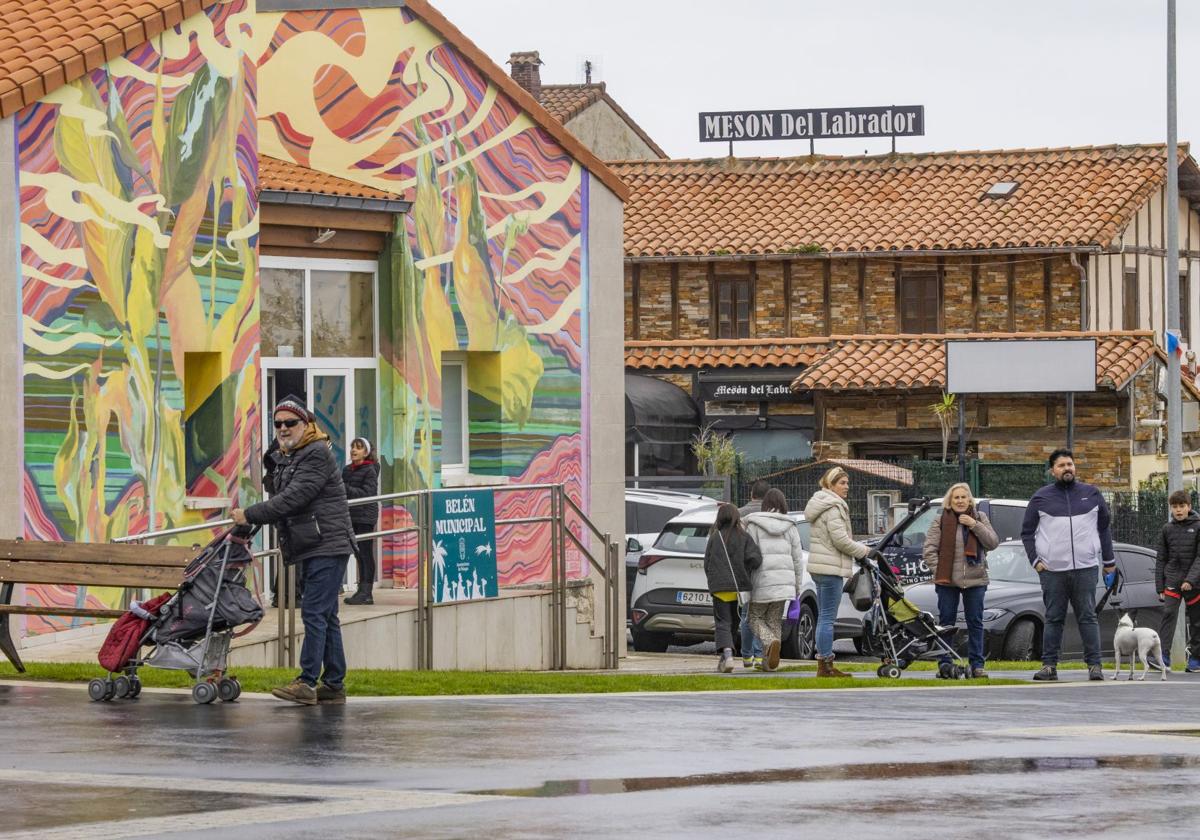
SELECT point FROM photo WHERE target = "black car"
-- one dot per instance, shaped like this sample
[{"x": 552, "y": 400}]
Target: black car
[{"x": 1013, "y": 614}]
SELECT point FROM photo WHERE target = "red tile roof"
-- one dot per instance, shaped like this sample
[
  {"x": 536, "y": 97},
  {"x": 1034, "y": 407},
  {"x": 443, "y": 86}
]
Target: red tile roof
[
  {"x": 285, "y": 176},
  {"x": 45, "y": 44},
  {"x": 883, "y": 362},
  {"x": 566, "y": 102},
  {"x": 930, "y": 201},
  {"x": 680, "y": 355}
]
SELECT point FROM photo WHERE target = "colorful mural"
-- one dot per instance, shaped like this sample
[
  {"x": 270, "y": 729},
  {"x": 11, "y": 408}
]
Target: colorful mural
[
  {"x": 493, "y": 258},
  {"x": 138, "y": 239}
]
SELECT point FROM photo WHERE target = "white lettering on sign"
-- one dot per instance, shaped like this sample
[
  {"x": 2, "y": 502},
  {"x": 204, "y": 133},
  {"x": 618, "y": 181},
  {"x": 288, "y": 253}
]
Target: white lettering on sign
[
  {"x": 460, "y": 505},
  {"x": 458, "y": 526},
  {"x": 907, "y": 121}
]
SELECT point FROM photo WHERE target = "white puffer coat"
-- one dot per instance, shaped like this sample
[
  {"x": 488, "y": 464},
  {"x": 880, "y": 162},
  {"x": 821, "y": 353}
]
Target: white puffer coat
[
  {"x": 781, "y": 574},
  {"x": 832, "y": 551}
]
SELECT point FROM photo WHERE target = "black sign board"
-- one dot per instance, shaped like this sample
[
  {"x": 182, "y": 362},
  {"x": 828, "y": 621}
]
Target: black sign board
[
  {"x": 747, "y": 390},
  {"x": 812, "y": 123}
]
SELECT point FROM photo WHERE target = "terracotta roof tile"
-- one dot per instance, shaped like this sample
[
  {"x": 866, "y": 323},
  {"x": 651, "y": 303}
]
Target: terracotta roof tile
[
  {"x": 678, "y": 355},
  {"x": 285, "y": 176},
  {"x": 45, "y": 44},
  {"x": 931, "y": 201},
  {"x": 865, "y": 363}
]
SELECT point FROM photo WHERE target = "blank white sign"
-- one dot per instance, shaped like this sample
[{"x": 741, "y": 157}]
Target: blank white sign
[{"x": 1021, "y": 366}]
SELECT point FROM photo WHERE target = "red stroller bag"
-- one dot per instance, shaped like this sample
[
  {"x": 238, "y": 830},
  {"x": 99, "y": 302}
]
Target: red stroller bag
[{"x": 125, "y": 637}]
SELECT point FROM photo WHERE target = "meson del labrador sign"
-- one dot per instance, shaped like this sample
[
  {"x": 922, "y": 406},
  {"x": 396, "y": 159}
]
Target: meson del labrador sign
[
  {"x": 813, "y": 124},
  {"x": 750, "y": 391}
]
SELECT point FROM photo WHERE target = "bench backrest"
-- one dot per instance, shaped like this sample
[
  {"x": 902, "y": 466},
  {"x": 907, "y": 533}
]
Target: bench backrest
[{"x": 94, "y": 564}]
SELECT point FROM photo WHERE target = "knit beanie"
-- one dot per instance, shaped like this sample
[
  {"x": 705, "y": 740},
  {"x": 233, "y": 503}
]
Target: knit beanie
[
  {"x": 364, "y": 443},
  {"x": 293, "y": 405}
]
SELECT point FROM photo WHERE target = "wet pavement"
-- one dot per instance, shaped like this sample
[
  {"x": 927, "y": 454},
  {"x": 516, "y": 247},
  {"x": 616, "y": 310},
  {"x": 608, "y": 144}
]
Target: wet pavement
[{"x": 1068, "y": 760}]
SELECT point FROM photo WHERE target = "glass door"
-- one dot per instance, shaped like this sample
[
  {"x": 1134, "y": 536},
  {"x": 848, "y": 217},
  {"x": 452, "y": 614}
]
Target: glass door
[{"x": 331, "y": 399}]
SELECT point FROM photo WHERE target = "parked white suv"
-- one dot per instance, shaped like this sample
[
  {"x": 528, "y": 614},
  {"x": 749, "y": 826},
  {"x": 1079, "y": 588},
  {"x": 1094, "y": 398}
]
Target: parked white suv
[
  {"x": 670, "y": 594},
  {"x": 646, "y": 513}
]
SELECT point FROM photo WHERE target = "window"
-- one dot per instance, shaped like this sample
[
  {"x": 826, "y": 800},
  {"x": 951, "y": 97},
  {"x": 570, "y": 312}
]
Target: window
[
  {"x": 652, "y": 518},
  {"x": 733, "y": 307},
  {"x": 1006, "y": 520},
  {"x": 317, "y": 312},
  {"x": 919, "y": 308},
  {"x": 1185, "y": 308},
  {"x": 455, "y": 425},
  {"x": 281, "y": 296},
  {"x": 1129, "y": 301},
  {"x": 1136, "y": 566}
]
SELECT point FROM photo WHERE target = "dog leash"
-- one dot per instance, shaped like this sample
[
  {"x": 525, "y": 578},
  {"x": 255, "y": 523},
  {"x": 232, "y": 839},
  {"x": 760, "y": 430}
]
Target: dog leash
[{"x": 1108, "y": 592}]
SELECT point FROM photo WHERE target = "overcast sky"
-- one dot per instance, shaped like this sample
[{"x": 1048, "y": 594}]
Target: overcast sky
[{"x": 990, "y": 73}]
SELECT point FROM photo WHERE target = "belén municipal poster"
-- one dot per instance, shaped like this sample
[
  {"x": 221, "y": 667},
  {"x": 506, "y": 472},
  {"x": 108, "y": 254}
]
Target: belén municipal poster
[{"x": 464, "y": 545}]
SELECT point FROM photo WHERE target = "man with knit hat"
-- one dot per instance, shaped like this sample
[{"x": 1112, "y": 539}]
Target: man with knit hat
[{"x": 308, "y": 507}]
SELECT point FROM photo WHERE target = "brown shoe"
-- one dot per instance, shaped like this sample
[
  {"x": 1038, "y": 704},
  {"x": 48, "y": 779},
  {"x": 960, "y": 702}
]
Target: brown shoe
[
  {"x": 327, "y": 696},
  {"x": 771, "y": 656},
  {"x": 833, "y": 671},
  {"x": 823, "y": 667},
  {"x": 297, "y": 691}
]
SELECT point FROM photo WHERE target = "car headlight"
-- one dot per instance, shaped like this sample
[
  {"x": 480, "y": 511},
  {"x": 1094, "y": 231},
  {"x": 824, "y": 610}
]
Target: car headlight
[{"x": 993, "y": 614}]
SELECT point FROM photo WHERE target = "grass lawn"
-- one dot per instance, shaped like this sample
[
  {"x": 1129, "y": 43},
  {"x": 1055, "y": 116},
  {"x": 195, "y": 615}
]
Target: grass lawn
[{"x": 362, "y": 683}]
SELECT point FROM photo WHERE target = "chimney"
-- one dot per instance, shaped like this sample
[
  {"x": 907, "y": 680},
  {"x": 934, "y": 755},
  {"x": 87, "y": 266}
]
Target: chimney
[{"x": 526, "y": 72}]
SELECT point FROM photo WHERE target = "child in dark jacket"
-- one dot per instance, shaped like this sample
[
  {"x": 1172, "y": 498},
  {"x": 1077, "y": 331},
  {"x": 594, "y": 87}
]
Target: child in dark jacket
[
  {"x": 361, "y": 477},
  {"x": 729, "y": 558},
  {"x": 1177, "y": 577}
]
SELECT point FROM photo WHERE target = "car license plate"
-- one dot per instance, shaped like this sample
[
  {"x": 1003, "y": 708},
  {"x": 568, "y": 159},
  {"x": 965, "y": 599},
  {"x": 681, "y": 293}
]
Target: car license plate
[{"x": 698, "y": 598}]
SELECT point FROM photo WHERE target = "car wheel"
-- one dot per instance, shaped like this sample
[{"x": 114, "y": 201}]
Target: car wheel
[
  {"x": 645, "y": 642},
  {"x": 802, "y": 642},
  {"x": 1020, "y": 642},
  {"x": 860, "y": 645}
]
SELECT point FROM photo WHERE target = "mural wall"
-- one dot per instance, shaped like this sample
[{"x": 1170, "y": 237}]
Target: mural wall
[
  {"x": 494, "y": 258},
  {"x": 138, "y": 242}
]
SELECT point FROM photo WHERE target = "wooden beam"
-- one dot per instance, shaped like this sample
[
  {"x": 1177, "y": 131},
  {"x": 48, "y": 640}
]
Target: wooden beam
[
  {"x": 68, "y": 574},
  {"x": 996, "y": 434},
  {"x": 1047, "y": 300},
  {"x": 284, "y": 236},
  {"x": 674, "y": 300},
  {"x": 862, "y": 295},
  {"x": 826, "y": 290},
  {"x": 19, "y": 609},
  {"x": 975, "y": 293},
  {"x": 309, "y": 253},
  {"x": 636, "y": 309},
  {"x": 298, "y": 216},
  {"x": 712, "y": 300},
  {"x": 1012, "y": 296},
  {"x": 787, "y": 298}
]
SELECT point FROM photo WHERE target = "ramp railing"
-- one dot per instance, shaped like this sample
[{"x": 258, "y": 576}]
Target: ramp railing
[{"x": 564, "y": 518}]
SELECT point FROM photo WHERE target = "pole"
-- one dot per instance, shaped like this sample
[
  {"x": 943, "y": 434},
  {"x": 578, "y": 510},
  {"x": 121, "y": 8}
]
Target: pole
[
  {"x": 1174, "y": 387},
  {"x": 1070, "y": 420},
  {"x": 1171, "y": 265},
  {"x": 962, "y": 439}
]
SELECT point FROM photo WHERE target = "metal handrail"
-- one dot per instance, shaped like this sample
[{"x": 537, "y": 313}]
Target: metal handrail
[{"x": 170, "y": 532}]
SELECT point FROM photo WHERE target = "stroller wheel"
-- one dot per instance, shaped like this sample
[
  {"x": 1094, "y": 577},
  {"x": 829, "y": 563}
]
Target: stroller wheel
[
  {"x": 204, "y": 692},
  {"x": 135, "y": 687},
  {"x": 121, "y": 687},
  {"x": 890, "y": 672},
  {"x": 97, "y": 689},
  {"x": 960, "y": 673},
  {"x": 947, "y": 671},
  {"x": 228, "y": 689}
]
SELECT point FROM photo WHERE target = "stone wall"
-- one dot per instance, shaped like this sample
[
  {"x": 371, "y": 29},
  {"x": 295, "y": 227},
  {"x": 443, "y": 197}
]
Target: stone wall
[{"x": 961, "y": 313}]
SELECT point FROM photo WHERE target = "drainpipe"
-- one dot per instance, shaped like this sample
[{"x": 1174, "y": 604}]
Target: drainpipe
[{"x": 1083, "y": 290}]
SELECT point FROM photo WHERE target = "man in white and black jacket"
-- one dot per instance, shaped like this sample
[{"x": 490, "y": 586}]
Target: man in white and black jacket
[{"x": 1067, "y": 537}]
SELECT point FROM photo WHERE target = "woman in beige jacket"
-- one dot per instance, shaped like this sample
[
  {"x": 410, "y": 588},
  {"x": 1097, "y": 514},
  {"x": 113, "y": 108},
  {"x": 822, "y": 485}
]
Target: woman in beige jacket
[
  {"x": 955, "y": 551},
  {"x": 831, "y": 557}
]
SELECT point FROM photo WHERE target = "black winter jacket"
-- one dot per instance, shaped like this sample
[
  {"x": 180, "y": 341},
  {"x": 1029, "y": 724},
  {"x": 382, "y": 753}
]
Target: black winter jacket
[
  {"x": 744, "y": 557},
  {"x": 1177, "y": 554},
  {"x": 362, "y": 481},
  {"x": 308, "y": 505}
]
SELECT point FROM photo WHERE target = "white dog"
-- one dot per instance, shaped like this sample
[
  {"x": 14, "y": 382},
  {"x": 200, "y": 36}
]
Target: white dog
[{"x": 1142, "y": 641}]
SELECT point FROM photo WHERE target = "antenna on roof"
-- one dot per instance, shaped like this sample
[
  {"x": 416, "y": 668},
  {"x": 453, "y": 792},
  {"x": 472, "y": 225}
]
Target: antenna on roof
[{"x": 589, "y": 66}]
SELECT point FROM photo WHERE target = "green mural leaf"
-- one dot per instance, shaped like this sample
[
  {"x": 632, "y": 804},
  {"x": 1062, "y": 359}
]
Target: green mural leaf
[{"x": 195, "y": 116}]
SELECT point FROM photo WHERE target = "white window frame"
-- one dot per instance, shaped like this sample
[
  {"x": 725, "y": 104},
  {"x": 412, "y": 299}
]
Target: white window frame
[
  {"x": 325, "y": 364},
  {"x": 458, "y": 360}
]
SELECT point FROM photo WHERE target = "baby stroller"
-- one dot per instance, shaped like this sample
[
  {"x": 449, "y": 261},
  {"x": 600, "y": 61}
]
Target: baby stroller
[
  {"x": 189, "y": 630},
  {"x": 895, "y": 630}
]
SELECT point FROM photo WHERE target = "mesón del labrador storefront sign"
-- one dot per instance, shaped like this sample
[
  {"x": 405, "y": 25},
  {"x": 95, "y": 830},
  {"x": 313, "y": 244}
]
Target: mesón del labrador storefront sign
[
  {"x": 747, "y": 390},
  {"x": 813, "y": 123}
]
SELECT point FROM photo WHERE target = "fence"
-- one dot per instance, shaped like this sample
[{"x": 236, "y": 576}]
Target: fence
[
  {"x": 565, "y": 519},
  {"x": 1138, "y": 517},
  {"x": 901, "y": 479}
]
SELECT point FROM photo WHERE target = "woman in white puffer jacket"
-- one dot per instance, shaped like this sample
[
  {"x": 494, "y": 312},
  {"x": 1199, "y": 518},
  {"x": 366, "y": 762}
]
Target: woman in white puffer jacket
[
  {"x": 832, "y": 552},
  {"x": 780, "y": 576}
]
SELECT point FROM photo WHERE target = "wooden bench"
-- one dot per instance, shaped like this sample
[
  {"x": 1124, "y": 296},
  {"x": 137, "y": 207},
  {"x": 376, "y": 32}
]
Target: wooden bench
[{"x": 83, "y": 564}]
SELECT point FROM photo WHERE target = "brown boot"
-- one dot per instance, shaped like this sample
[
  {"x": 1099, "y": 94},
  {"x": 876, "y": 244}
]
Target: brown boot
[
  {"x": 823, "y": 668},
  {"x": 834, "y": 672}
]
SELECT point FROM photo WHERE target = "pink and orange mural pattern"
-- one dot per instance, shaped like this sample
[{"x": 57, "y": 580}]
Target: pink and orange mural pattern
[
  {"x": 138, "y": 235},
  {"x": 494, "y": 262}
]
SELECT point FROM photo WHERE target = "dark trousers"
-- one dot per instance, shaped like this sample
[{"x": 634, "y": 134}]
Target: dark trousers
[
  {"x": 726, "y": 615},
  {"x": 1170, "y": 614},
  {"x": 972, "y": 604},
  {"x": 321, "y": 656},
  {"x": 364, "y": 553},
  {"x": 1076, "y": 587}
]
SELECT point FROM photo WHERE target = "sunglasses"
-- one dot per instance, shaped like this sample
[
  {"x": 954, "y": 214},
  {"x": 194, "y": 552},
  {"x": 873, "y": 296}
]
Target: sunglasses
[{"x": 279, "y": 424}]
